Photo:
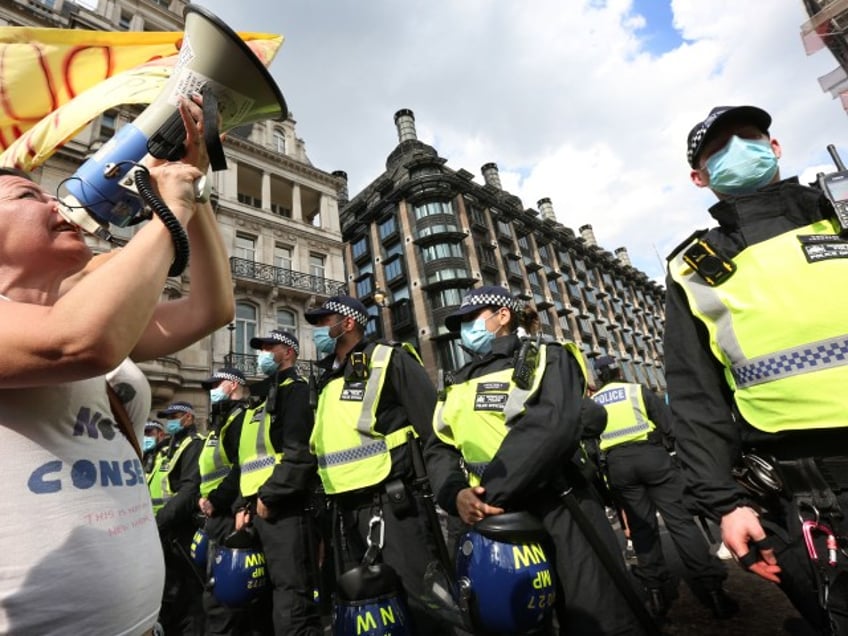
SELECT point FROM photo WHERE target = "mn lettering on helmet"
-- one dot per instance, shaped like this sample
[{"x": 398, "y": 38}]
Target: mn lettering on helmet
[{"x": 505, "y": 574}]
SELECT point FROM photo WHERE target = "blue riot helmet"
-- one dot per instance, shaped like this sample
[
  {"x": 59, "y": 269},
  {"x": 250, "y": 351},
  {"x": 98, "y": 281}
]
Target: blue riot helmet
[
  {"x": 369, "y": 603},
  {"x": 238, "y": 569},
  {"x": 238, "y": 575},
  {"x": 199, "y": 548},
  {"x": 504, "y": 574}
]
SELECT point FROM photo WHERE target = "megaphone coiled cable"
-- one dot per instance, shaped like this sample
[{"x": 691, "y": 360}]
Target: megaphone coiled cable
[{"x": 178, "y": 234}]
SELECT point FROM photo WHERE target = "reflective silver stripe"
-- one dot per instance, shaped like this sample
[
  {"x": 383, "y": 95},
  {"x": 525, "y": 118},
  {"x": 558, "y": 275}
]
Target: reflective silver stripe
[
  {"x": 352, "y": 454},
  {"x": 258, "y": 464},
  {"x": 218, "y": 473},
  {"x": 641, "y": 427},
  {"x": 815, "y": 356},
  {"x": 379, "y": 360},
  {"x": 632, "y": 391},
  {"x": 709, "y": 304},
  {"x": 370, "y": 449},
  {"x": 803, "y": 358},
  {"x": 477, "y": 468}
]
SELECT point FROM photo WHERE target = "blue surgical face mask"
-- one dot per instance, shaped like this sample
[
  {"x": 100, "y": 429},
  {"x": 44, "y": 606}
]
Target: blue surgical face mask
[
  {"x": 325, "y": 344},
  {"x": 217, "y": 395},
  {"x": 173, "y": 426},
  {"x": 475, "y": 336},
  {"x": 266, "y": 363},
  {"x": 149, "y": 443},
  {"x": 742, "y": 166}
]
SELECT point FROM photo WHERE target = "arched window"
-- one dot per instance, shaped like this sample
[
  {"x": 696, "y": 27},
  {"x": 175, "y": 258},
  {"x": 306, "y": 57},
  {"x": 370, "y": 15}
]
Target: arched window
[
  {"x": 245, "y": 327},
  {"x": 280, "y": 141},
  {"x": 287, "y": 319}
]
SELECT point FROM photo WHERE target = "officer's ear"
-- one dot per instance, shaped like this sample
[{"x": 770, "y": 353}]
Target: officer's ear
[{"x": 700, "y": 178}]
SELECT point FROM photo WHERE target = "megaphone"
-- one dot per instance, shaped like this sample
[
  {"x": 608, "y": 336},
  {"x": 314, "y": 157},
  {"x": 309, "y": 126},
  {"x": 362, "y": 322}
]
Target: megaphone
[{"x": 213, "y": 61}]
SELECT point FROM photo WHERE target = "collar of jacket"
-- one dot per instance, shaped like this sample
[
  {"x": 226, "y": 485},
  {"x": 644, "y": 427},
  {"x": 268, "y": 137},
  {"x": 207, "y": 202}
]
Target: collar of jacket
[
  {"x": 788, "y": 199},
  {"x": 326, "y": 363}
]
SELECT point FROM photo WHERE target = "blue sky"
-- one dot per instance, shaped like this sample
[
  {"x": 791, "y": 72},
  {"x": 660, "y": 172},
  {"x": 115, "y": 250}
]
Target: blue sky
[
  {"x": 585, "y": 102},
  {"x": 658, "y": 34}
]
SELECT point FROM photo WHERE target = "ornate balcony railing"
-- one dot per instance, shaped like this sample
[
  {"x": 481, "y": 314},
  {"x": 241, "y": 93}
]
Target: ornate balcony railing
[{"x": 281, "y": 277}]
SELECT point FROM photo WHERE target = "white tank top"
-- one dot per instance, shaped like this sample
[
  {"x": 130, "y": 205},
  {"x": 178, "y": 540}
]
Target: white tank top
[{"x": 79, "y": 548}]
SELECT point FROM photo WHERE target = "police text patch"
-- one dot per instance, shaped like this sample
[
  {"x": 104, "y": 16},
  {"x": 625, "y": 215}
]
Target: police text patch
[
  {"x": 490, "y": 401},
  {"x": 353, "y": 392},
  {"x": 823, "y": 247}
]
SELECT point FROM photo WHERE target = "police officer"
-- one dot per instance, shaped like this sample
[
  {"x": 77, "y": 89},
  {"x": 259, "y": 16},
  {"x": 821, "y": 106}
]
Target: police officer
[
  {"x": 174, "y": 486},
  {"x": 644, "y": 479},
  {"x": 154, "y": 435},
  {"x": 372, "y": 397},
  {"x": 754, "y": 346},
  {"x": 228, "y": 396},
  {"x": 277, "y": 476},
  {"x": 506, "y": 434}
]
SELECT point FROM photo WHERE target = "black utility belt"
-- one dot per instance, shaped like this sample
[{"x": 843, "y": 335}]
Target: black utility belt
[
  {"x": 395, "y": 492},
  {"x": 812, "y": 481}
]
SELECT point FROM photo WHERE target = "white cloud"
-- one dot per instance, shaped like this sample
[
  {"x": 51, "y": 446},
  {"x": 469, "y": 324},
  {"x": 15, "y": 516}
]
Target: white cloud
[{"x": 563, "y": 96}]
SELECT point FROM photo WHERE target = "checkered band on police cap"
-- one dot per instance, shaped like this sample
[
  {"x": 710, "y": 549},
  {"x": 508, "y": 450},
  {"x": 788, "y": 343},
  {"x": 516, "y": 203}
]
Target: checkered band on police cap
[
  {"x": 746, "y": 114},
  {"x": 224, "y": 373},
  {"x": 176, "y": 407},
  {"x": 286, "y": 338},
  {"x": 486, "y": 296},
  {"x": 348, "y": 307},
  {"x": 491, "y": 297}
]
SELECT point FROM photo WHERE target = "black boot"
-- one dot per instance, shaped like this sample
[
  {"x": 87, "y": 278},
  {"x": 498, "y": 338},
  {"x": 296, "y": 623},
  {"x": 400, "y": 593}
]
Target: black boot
[
  {"x": 657, "y": 605},
  {"x": 722, "y": 605}
]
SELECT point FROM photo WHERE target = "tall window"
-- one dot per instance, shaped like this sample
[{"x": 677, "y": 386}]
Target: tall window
[
  {"x": 245, "y": 327},
  {"x": 287, "y": 319},
  {"x": 316, "y": 265},
  {"x": 433, "y": 207},
  {"x": 282, "y": 256},
  {"x": 280, "y": 142},
  {"x": 452, "y": 356},
  {"x": 245, "y": 247}
]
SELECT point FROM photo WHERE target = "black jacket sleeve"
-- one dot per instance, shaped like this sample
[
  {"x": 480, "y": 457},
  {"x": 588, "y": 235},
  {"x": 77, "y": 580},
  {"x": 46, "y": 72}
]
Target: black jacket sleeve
[
  {"x": 660, "y": 415},
  {"x": 445, "y": 472},
  {"x": 294, "y": 477},
  {"x": 593, "y": 417},
  {"x": 185, "y": 484},
  {"x": 542, "y": 439},
  {"x": 707, "y": 437}
]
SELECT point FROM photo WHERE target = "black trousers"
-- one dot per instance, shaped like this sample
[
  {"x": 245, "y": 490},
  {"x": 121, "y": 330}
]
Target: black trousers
[
  {"x": 291, "y": 565},
  {"x": 409, "y": 547},
  {"x": 645, "y": 481},
  {"x": 182, "y": 600},
  {"x": 588, "y": 601}
]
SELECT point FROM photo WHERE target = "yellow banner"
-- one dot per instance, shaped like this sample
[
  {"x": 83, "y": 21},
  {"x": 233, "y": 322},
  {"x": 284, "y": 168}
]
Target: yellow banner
[{"x": 54, "y": 81}]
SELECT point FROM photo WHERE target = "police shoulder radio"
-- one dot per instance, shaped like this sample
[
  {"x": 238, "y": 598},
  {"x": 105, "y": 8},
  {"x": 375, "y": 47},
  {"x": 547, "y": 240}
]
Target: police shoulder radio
[{"x": 835, "y": 186}]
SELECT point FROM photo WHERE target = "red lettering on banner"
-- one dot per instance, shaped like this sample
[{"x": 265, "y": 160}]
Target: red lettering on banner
[
  {"x": 6, "y": 97},
  {"x": 70, "y": 58}
]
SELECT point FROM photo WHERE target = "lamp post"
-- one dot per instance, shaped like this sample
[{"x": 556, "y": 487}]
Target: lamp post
[
  {"x": 231, "y": 328},
  {"x": 381, "y": 299}
]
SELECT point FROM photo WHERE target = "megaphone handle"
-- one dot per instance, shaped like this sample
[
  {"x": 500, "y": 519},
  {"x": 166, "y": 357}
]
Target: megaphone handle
[
  {"x": 211, "y": 132},
  {"x": 178, "y": 234}
]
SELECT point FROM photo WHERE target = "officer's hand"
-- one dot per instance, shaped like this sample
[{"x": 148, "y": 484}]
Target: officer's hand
[
  {"x": 242, "y": 518},
  {"x": 261, "y": 509},
  {"x": 471, "y": 508},
  {"x": 744, "y": 536},
  {"x": 206, "y": 507}
]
